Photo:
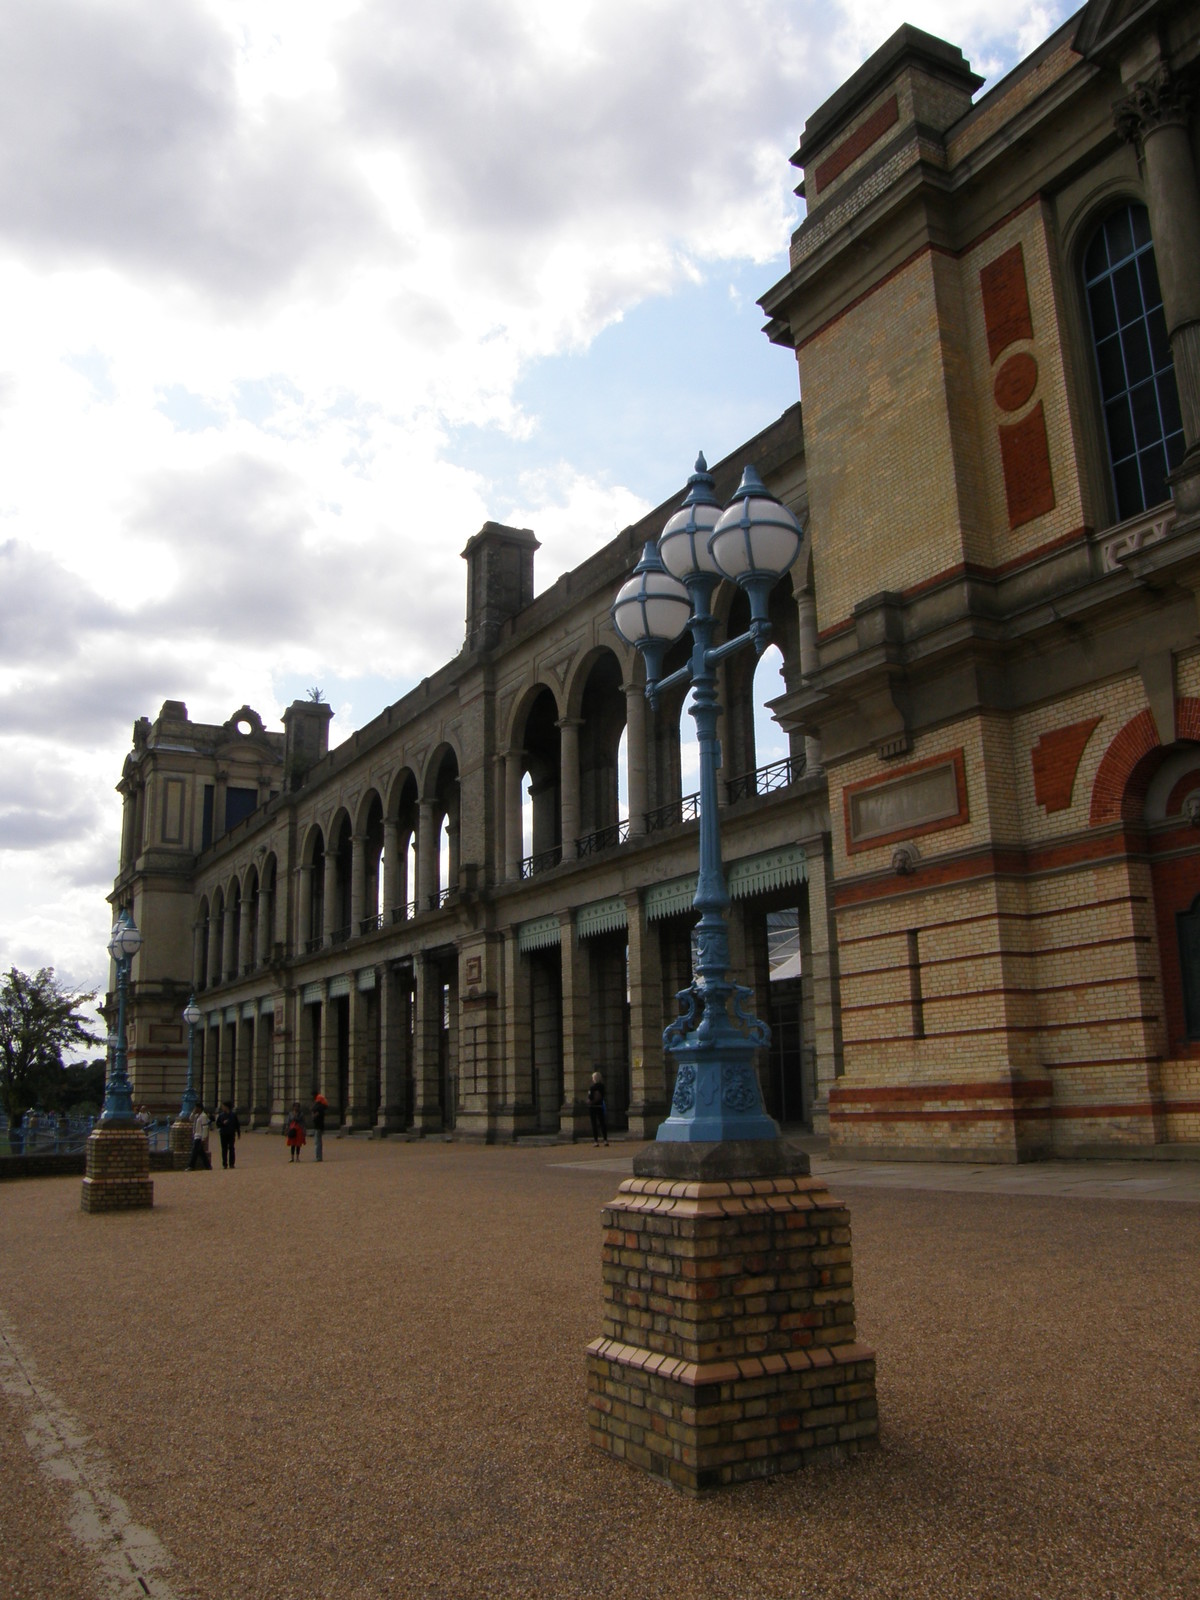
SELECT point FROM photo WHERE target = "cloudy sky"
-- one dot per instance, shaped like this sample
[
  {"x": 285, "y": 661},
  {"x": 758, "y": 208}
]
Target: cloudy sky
[{"x": 299, "y": 292}]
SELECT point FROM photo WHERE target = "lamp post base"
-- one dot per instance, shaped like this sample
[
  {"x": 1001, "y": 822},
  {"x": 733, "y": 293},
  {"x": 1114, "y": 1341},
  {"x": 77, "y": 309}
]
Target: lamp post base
[
  {"x": 118, "y": 1170},
  {"x": 729, "y": 1349}
]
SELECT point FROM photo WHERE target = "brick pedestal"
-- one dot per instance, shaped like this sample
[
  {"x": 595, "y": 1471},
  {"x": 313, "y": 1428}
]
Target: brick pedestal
[
  {"x": 118, "y": 1170},
  {"x": 181, "y": 1144},
  {"x": 729, "y": 1347}
]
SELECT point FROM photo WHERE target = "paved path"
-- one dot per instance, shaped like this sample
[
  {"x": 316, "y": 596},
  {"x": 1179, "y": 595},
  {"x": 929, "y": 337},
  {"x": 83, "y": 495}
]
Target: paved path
[
  {"x": 1080, "y": 1180},
  {"x": 364, "y": 1381}
]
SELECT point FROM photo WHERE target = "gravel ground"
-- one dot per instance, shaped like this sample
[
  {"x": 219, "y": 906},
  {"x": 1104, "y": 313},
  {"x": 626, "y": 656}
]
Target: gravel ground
[{"x": 366, "y": 1379}]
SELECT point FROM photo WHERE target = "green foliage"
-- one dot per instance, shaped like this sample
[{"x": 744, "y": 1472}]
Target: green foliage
[{"x": 39, "y": 1019}]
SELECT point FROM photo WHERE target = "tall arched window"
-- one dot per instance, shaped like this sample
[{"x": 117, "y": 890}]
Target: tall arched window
[{"x": 1133, "y": 360}]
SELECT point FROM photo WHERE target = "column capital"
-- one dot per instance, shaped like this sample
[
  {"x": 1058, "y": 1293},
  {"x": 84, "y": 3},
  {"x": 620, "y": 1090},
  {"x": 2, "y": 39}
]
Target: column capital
[{"x": 1158, "y": 101}]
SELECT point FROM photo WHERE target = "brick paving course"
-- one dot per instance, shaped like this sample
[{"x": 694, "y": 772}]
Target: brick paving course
[{"x": 366, "y": 1379}]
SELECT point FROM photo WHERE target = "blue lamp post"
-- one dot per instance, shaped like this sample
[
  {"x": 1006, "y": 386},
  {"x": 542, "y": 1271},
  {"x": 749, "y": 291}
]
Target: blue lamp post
[
  {"x": 124, "y": 944},
  {"x": 191, "y": 1015},
  {"x": 753, "y": 542}
]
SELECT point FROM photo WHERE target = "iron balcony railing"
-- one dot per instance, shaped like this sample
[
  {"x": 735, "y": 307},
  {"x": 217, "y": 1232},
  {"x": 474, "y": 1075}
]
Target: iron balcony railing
[
  {"x": 339, "y": 935},
  {"x": 765, "y": 780},
  {"x": 685, "y": 809},
  {"x": 311, "y": 946},
  {"x": 541, "y": 862},
  {"x": 603, "y": 839},
  {"x": 371, "y": 924}
]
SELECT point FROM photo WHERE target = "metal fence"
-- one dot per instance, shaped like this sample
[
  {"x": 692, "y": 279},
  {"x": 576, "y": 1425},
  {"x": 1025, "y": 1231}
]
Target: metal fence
[{"x": 44, "y": 1134}]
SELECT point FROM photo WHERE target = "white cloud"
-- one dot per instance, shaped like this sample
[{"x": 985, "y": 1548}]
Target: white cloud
[{"x": 261, "y": 259}]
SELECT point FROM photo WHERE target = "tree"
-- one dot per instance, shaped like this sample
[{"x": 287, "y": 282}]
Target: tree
[{"x": 39, "y": 1019}]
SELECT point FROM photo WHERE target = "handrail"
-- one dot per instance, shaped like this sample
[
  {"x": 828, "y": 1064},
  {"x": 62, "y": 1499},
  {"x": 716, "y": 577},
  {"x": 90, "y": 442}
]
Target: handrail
[
  {"x": 542, "y": 861},
  {"x": 603, "y": 839},
  {"x": 675, "y": 812},
  {"x": 768, "y": 779}
]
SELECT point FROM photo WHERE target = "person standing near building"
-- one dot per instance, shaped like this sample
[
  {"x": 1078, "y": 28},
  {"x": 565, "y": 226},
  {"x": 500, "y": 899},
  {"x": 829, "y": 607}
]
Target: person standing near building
[
  {"x": 230, "y": 1129},
  {"x": 295, "y": 1131},
  {"x": 597, "y": 1109},
  {"x": 319, "y": 1104},
  {"x": 200, "y": 1156}
]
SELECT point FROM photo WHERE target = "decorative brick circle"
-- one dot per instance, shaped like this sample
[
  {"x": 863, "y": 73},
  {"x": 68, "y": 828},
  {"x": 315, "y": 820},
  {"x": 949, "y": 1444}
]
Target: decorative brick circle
[{"x": 1015, "y": 382}]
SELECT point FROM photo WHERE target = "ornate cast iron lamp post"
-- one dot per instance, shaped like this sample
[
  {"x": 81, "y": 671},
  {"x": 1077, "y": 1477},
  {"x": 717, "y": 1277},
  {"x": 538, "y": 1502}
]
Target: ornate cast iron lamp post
[
  {"x": 117, "y": 1170},
  {"x": 753, "y": 542},
  {"x": 191, "y": 1015},
  {"x": 728, "y": 1366},
  {"x": 124, "y": 944}
]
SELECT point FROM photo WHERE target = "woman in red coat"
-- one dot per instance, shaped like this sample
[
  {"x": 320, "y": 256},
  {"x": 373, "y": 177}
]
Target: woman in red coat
[{"x": 295, "y": 1131}]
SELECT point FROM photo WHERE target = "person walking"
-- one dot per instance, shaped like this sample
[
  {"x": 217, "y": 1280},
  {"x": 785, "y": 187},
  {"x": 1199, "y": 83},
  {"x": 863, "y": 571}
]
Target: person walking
[
  {"x": 201, "y": 1160},
  {"x": 230, "y": 1129},
  {"x": 597, "y": 1109},
  {"x": 295, "y": 1131},
  {"x": 318, "y": 1114}
]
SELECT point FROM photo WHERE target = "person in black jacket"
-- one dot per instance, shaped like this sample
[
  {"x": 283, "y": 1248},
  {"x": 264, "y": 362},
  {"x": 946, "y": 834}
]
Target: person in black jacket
[
  {"x": 230, "y": 1129},
  {"x": 597, "y": 1109}
]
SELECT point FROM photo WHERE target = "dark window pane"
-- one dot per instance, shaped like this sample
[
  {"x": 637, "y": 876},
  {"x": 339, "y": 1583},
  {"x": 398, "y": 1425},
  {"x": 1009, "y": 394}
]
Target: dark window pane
[
  {"x": 1112, "y": 367},
  {"x": 1104, "y": 313},
  {"x": 1127, "y": 481},
  {"x": 1168, "y": 403},
  {"x": 1140, "y": 218},
  {"x": 1148, "y": 271},
  {"x": 1096, "y": 260},
  {"x": 1128, "y": 290},
  {"x": 1154, "y": 475},
  {"x": 1147, "y": 424},
  {"x": 1160, "y": 348},
  {"x": 1137, "y": 352},
  {"x": 1120, "y": 235},
  {"x": 1120, "y": 428}
]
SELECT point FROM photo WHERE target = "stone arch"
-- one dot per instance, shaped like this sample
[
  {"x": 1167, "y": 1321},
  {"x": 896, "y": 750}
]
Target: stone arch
[
  {"x": 523, "y": 705},
  {"x": 597, "y": 711},
  {"x": 370, "y": 867}
]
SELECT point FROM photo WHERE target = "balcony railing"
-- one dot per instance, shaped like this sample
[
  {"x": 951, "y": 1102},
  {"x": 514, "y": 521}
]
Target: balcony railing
[
  {"x": 371, "y": 924},
  {"x": 339, "y": 936},
  {"x": 603, "y": 839},
  {"x": 311, "y": 946},
  {"x": 765, "y": 780},
  {"x": 685, "y": 809},
  {"x": 541, "y": 862}
]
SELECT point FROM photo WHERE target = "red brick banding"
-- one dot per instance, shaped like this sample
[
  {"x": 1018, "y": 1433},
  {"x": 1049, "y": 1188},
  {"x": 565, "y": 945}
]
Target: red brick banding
[
  {"x": 1056, "y": 758},
  {"x": 1025, "y": 458},
  {"x": 859, "y": 142},
  {"x": 1006, "y": 313}
]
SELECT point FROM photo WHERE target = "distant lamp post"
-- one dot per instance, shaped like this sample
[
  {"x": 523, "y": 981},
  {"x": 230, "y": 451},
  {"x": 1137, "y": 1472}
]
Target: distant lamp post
[
  {"x": 191, "y": 1015},
  {"x": 124, "y": 944},
  {"x": 752, "y": 542}
]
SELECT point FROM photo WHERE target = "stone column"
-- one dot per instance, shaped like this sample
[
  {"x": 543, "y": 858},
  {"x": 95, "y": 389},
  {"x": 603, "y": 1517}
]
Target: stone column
[
  {"x": 395, "y": 1023},
  {"x": 358, "y": 882},
  {"x": 568, "y": 769},
  {"x": 393, "y": 869},
  {"x": 427, "y": 1028},
  {"x": 513, "y": 773},
  {"x": 574, "y": 1121},
  {"x": 810, "y": 663},
  {"x": 260, "y": 1076},
  {"x": 517, "y": 1113},
  {"x": 333, "y": 895},
  {"x": 243, "y": 1093},
  {"x": 647, "y": 1067},
  {"x": 358, "y": 1112},
  {"x": 263, "y": 930},
  {"x": 304, "y": 907},
  {"x": 635, "y": 757},
  {"x": 427, "y": 862},
  {"x": 245, "y": 955},
  {"x": 199, "y": 954},
  {"x": 327, "y": 1057},
  {"x": 452, "y": 841},
  {"x": 1155, "y": 118},
  {"x": 229, "y": 955}
]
